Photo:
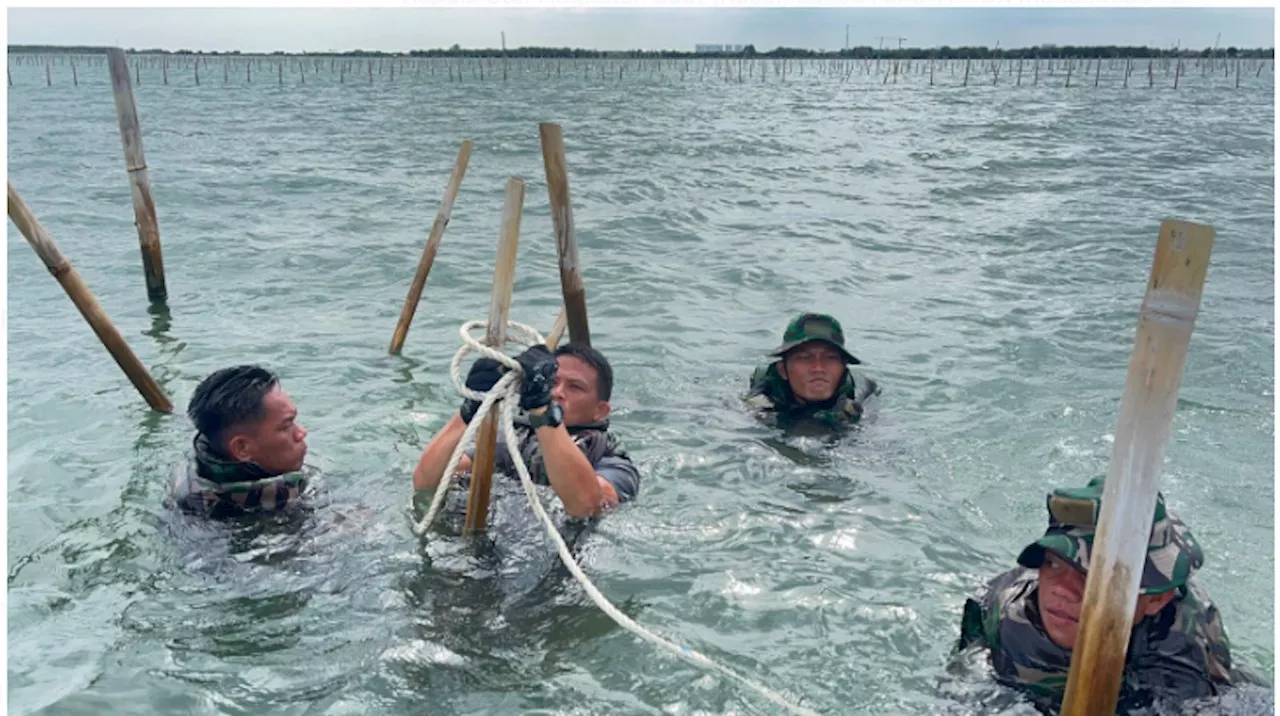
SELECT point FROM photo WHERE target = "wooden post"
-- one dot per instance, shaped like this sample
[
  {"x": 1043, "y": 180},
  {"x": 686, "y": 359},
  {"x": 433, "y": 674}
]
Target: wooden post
[
  {"x": 1165, "y": 324},
  {"x": 75, "y": 80},
  {"x": 557, "y": 329},
  {"x": 504, "y": 273},
  {"x": 1097, "y": 72},
  {"x": 48, "y": 75},
  {"x": 84, "y": 300},
  {"x": 1177, "y": 72},
  {"x": 9, "y": 72},
  {"x": 196, "y": 70},
  {"x": 1036, "y": 81},
  {"x": 165, "y": 69},
  {"x": 575, "y": 298},
  {"x": 966, "y": 73},
  {"x": 137, "y": 72},
  {"x": 1019, "y": 84},
  {"x": 433, "y": 244},
  {"x": 1151, "y": 77},
  {"x": 144, "y": 207}
]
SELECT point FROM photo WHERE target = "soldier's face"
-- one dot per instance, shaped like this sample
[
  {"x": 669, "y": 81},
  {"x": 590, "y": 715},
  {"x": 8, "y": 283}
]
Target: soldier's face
[
  {"x": 813, "y": 370},
  {"x": 1061, "y": 593},
  {"x": 277, "y": 443},
  {"x": 577, "y": 390}
]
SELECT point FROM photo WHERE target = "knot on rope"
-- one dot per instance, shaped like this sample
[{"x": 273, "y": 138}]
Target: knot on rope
[{"x": 505, "y": 393}]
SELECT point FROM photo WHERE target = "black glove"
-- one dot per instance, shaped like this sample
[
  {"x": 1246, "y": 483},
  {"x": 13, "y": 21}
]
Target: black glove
[
  {"x": 539, "y": 366},
  {"x": 485, "y": 373}
]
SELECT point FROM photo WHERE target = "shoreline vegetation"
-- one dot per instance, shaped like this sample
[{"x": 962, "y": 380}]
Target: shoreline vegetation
[{"x": 749, "y": 51}]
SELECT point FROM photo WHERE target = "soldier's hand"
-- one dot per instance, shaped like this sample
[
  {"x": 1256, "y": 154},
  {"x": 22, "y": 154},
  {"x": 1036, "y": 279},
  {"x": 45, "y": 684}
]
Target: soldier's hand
[
  {"x": 539, "y": 366},
  {"x": 484, "y": 374}
]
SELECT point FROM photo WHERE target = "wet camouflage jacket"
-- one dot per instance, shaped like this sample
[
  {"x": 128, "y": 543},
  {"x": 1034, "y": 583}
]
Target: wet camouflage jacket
[
  {"x": 1180, "y": 653},
  {"x": 601, "y": 448},
  {"x": 212, "y": 486},
  {"x": 770, "y": 391}
]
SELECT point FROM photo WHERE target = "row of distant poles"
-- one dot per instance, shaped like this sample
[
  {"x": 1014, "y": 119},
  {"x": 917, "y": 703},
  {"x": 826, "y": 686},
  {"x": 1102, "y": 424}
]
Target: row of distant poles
[
  {"x": 573, "y": 314},
  {"x": 299, "y": 69}
]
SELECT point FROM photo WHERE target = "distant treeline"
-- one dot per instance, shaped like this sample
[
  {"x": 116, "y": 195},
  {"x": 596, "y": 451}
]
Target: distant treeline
[{"x": 862, "y": 52}]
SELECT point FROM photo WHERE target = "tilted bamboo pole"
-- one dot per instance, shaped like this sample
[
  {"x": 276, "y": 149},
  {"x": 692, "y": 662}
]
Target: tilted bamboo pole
[
  {"x": 571, "y": 285},
  {"x": 1165, "y": 323},
  {"x": 144, "y": 207},
  {"x": 85, "y": 301},
  {"x": 433, "y": 245}
]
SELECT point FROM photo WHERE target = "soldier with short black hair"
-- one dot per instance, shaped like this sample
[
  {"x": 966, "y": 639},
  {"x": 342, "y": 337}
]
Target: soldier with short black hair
[
  {"x": 810, "y": 380},
  {"x": 563, "y": 430},
  {"x": 248, "y": 451},
  {"x": 1028, "y": 616}
]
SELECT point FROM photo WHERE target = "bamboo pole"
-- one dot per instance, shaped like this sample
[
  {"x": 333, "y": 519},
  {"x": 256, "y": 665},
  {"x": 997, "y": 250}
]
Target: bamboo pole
[
  {"x": 433, "y": 244},
  {"x": 1165, "y": 324},
  {"x": 85, "y": 301},
  {"x": 48, "y": 75},
  {"x": 75, "y": 79},
  {"x": 144, "y": 207},
  {"x": 1177, "y": 73},
  {"x": 575, "y": 298},
  {"x": 504, "y": 272},
  {"x": 966, "y": 73},
  {"x": 557, "y": 329},
  {"x": 1097, "y": 72}
]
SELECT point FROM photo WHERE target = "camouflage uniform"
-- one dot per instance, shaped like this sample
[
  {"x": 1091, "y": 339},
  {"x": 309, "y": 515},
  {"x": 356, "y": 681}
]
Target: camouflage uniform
[
  {"x": 770, "y": 392},
  {"x": 600, "y": 447},
  {"x": 1179, "y": 653},
  {"x": 212, "y": 486}
]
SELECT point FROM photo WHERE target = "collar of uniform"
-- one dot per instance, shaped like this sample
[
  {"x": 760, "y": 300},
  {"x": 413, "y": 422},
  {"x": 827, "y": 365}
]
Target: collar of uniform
[{"x": 216, "y": 468}]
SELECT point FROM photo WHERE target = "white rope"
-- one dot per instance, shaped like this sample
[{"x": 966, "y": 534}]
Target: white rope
[{"x": 507, "y": 392}]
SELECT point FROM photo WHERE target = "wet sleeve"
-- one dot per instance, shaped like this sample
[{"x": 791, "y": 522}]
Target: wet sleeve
[{"x": 622, "y": 474}]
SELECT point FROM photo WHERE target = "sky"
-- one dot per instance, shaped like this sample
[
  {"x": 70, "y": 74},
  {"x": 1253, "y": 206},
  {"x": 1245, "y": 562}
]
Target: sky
[{"x": 295, "y": 29}]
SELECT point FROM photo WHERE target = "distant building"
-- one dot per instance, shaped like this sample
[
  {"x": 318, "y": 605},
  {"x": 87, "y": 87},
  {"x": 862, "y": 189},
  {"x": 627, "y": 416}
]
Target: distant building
[{"x": 729, "y": 49}]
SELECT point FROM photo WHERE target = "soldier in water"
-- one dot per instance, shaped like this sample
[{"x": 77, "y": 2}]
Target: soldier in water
[
  {"x": 248, "y": 451},
  {"x": 1028, "y": 617},
  {"x": 810, "y": 378}
]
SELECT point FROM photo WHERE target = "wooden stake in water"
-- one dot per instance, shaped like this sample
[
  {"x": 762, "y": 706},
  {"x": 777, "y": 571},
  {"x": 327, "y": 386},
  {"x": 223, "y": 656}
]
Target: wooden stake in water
[
  {"x": 433, "y": 244},
  {"x": 1119, "y": 551},
  {"x": 144, "y": 207},
  {"x": 84, "y": 300},
  {"x": 557, "y": 329},
  {"x": 1097, "y": 72},
  {"x": 504, "y": 273},
  {"x": 966, "y": 73},
  {"x": 575, "y": 297}
]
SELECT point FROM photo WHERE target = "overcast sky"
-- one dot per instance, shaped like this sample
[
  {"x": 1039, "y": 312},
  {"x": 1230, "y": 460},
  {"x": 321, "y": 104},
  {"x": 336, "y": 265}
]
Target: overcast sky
[{"x": 402, "y": 29}]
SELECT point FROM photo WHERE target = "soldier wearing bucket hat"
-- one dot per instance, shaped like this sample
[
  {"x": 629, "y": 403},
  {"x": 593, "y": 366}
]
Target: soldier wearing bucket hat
[
  {"x": 810, "y": 377},
  {"x": 1028, "y": 616}
]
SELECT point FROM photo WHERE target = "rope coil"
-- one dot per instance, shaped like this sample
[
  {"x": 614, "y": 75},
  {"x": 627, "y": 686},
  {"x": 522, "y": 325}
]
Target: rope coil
[{"x": 507, "y": 392}]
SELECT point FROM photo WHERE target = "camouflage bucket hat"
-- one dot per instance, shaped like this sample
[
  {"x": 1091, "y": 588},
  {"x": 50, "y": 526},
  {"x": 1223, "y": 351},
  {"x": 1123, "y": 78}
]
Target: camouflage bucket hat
[
  {"x": 815, "y": 327},
  {"x": 1173, "y": 554}
]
